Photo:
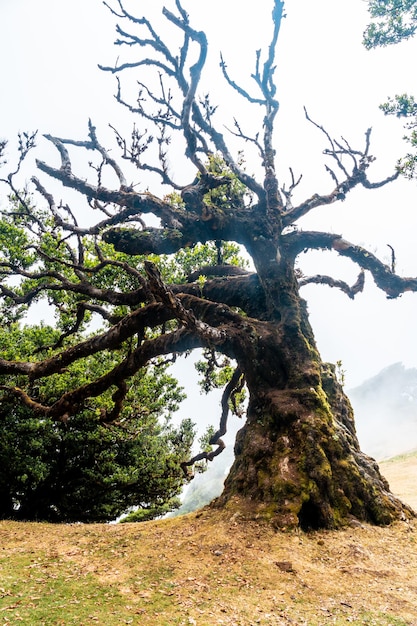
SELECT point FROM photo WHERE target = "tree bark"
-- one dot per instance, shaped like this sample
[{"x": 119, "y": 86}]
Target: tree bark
[{"x": 297, "y": 459}]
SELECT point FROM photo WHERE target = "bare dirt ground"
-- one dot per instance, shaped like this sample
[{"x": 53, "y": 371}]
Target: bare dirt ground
[{"x": 208, "y": 568}]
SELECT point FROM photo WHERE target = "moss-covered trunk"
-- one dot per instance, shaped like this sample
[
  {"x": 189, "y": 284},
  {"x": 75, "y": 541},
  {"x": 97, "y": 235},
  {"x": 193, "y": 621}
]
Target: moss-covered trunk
[
  {"x": 297, "y": 459},
  {"x": 298, "y": 463}
]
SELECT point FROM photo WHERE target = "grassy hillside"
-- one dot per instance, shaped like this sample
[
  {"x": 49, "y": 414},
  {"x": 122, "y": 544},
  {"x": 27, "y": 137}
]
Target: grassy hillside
[
  {"x": 401, "y": 473},
  {"x": 209, "y": 568}
]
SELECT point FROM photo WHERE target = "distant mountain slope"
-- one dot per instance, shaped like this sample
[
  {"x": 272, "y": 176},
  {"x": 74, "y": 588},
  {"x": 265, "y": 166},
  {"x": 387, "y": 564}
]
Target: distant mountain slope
[{"x": 386, "y": 412}]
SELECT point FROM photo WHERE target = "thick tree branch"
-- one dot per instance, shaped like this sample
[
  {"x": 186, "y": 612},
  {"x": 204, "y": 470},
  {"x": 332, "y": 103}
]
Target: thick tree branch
[
  {"x": 243, "y": 292},
  {"x": 150, "y": 241},
  {"x": 184, "y": 307},
  {"x": 217, "y": 270},
  {"x": 194, "y": 334},
  {"x": 208, "y": 333},
  {"x": 212, "y": 224},
  {"x": 384, "y": 277},
  {"x": 134, "y": 204},
  {"x": 70, "y": 402},
  {"x": 152, "y": 315},
  {"x": 57, "y": 282}
]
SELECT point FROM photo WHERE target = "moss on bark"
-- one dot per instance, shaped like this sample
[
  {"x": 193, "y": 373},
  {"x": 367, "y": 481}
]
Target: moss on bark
[{"x": 298, "y": 463}]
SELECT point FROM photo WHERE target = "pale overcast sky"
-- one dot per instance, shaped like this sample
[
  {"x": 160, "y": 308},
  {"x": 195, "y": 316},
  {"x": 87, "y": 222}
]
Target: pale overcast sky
[{"x": 49, "y": 51}]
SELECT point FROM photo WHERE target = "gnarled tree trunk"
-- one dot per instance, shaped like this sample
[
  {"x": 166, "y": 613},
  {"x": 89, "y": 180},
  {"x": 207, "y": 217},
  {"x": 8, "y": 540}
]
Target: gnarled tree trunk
[{"x": 297, "y": 459}]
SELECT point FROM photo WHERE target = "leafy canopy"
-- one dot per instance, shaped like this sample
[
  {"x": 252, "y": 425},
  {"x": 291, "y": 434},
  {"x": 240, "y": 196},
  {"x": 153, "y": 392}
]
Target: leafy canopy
[
  {"x": 392, "y": 21},
  {"x": 83, "y": 469}
]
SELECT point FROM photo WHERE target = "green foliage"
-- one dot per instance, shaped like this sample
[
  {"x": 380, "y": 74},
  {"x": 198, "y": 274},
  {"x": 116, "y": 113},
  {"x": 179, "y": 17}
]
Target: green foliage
[
  {"x": 215, "y": 374},
  {"x": 204, "y": 440},
  {"x": 393, "y": 21},
  {"x": 86, "y": 471},
  {"x": 235, "y": 194},
  {"x": 83, "y": 469},
  {"x": 405, "y": 106},
  {"x": 401, "y": 106},
  {"x": 14, "y": 244},
  {"x": 144, "y": 514},
  {"x": 176, "y": 268}
]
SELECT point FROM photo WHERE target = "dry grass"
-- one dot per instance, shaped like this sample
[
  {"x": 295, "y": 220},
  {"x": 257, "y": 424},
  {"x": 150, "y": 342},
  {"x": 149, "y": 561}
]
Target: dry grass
[
  {"x": 208, "y": 568},
  {"x": 401, "y": 473}
]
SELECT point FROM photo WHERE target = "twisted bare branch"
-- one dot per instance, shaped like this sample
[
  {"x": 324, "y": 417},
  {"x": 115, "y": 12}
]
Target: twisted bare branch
[
  {"x": 350, "y": 291},
  {"x": 233, "y": 386},
  {"x": 384, "y": 277}
]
